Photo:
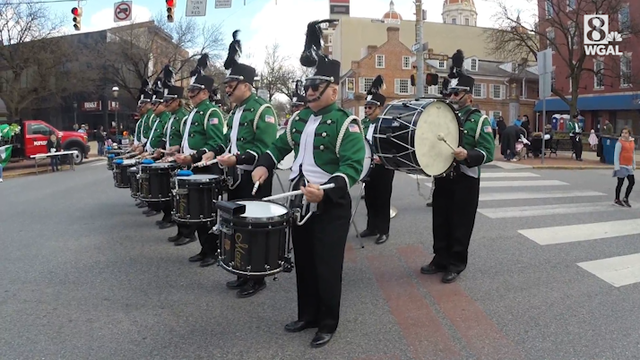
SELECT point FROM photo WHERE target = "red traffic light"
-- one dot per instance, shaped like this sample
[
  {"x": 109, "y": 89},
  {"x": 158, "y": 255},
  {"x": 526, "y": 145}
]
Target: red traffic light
[
  {"x": 171, "y": 3},
  {"x": 75, "y": 11}
]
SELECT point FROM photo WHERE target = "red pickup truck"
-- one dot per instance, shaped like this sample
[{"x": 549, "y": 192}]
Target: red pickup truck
[{"x": 33, "y": 137}]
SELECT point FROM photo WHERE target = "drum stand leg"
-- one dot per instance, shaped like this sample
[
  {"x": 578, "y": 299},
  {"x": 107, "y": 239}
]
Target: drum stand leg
[
  {"x": 353, "y": 215},
  {"x": 275, "y": 172}
]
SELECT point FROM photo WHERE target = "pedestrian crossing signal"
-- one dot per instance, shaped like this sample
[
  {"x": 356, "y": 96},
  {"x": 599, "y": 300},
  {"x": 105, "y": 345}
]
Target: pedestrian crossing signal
[
  {"x": 432, "y": 79},
  {"x": 77, "y": 18},
  {"x": 171, "y": 9}
]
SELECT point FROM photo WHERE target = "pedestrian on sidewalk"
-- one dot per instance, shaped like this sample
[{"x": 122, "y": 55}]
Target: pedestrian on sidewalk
[
  {"x": 624, "y": 163},
  {"x": 54, "y": 146},
  {"x": 100, "y": 139}
]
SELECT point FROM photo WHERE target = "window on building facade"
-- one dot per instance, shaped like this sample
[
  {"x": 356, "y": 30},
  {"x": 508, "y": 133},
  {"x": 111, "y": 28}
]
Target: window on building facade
[
  {"x": 467, "y": 21},
  {"x": 549, "y": 8},
  {"x": 551, "y": 39},
  {"x": 574, "y": 36},
  {"x": 497, "y": 91},
  {"x": 474, "y": 65},
  {"x": 479, "y": 90},
  {"x": 403, "y": 87},
  {"x": 454, "y": 21},
  {"x": 442, "y": 64},
  {"x": 496, "y": 114},
  {"x": 440, "y": 85},
  {"x": 380, "y": 61},
  {"x": 406, "y": 62},
  {"x": 364, "y": 83},
  {"x": 624, "y": 20},
  {"x": 553, "y": 78},
  {"x": 598, "y": 77},
  {"x": 625, "y": 70},
  {"x": 571, "y": 4}
]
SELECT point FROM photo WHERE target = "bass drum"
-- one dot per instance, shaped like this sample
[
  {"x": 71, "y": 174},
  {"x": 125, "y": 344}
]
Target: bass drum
[
  {"x": 406, "y": 136},
  {"x": 368, "y": 160}
]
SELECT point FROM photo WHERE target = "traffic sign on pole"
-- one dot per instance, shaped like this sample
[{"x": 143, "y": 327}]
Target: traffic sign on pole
[
  {"x": 196, "y": 8},
  {"x": 223, "y": 4},
  {"x": 122, "y": 11}
]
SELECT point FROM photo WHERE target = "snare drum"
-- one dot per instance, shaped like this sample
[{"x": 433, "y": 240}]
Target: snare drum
[
  {"x": 253, "y": 243},
  {"x": 121, "y": 173},
  {"x": 155, "y": 181},
  {"x": 112, "y": 155},
  {"x": 134, "y": 182},
  {"x": 406, "y": 136},
  {"x": 195, "y": 197}
]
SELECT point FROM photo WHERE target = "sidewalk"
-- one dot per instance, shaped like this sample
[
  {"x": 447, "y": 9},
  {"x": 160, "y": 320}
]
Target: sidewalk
[
  {"x": 562, "y": 161},
  {"x": 28, "y": 167}
]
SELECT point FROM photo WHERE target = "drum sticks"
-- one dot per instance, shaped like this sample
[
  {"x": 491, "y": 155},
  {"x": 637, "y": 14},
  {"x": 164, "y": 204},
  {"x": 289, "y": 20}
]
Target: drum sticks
[
  {"x": 295, "y": 193},
  {"x": 203, "y": 164},
  {"x": 441, "y": 138}
]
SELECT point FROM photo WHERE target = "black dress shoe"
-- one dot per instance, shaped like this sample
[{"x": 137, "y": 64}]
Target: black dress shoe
[
  {"x": 152, "y": 213},
  {"x": 253, "y": 287},
  {"x": 196, "y": 258},
  {"x": 430, "y": 269},
  {"x": 166, "y": 225},
  {"x": 174, "y": 238},
  {"x": 368, "y": 233},
  {"x": 185, "y": 241},
  {"x": 449, "y": 277},
  {"x": 141, "y": 205},
  {"x": 321, "y": 339},
  {"x": 382, "y": 238},
  {"x": 159, "y": 222},
  {"x": 208, "y": 261},
  {"x": 299, "y": 325},
  {"x": 237, "y": 283}
]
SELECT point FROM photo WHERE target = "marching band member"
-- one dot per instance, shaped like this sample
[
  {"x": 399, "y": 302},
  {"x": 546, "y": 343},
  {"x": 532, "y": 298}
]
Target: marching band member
[
  {"x": 252, "y": 128},
  {"x": 156, "y": 138},
  {"x": 445, "y": 94},
  {"x": 299, "y": 101},
  {"x": 144, "y": 106},
  {"x": 174, "y": 106},
  {"x": 203, "y": 129},
  {"x": 379, "y": 184},
  {"x": 455, "y": 198},
  {"x": 329, "y": 149}
]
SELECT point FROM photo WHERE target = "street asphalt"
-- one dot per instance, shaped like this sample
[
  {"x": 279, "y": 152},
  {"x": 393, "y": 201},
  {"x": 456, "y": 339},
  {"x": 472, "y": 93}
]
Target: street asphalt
[{"x": 84, "y": 275}]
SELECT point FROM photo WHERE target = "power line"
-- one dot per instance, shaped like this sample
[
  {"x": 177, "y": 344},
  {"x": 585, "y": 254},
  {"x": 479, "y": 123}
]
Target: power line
[{"x": 40, "y": 2}]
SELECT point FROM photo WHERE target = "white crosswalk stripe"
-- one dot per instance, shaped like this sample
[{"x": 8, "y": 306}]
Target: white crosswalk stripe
[
  {"x": 99, "y": 163},
  {"x": 498, "y": 189}
]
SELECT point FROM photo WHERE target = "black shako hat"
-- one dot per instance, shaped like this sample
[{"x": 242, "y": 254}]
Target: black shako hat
[
  {"x": 174, "y": 92},
  {"x": 373, "y": 94},
  {"x": 202, "y": 82},
  {"x": 326, "y": 70},
  {"x": 238, "y": 71}
]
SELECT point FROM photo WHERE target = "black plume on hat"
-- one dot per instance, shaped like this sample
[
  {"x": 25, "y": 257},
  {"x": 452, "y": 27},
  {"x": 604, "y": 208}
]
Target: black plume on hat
[
  {"x": 201, "y": 65},
  {"x": 457, "y": 62},
  {"x": 313, "y": 44},
  {"x": 235, "y": 51},
  {"x": 445, "y": 86},
  {"x": 376, "y": 85},
  {"x": 145, "y": 89},
  {"x": 298, "y": 97},
  {"x": 168, "y": 75}
]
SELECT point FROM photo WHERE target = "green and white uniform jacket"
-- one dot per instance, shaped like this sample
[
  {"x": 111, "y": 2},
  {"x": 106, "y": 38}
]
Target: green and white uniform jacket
[
  {"x": 477, "y": 139},
  {"x": 328, "y": 147},
  {"x": 174, "y": 129},
  {"x": 147, "y": 124},
  {"x": 203, "y": 129},
  {"x": 157, "y": 138},
  {"x": 252, "y": 128}
]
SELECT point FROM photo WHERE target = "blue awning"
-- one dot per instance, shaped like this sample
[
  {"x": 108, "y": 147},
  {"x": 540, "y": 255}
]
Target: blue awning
[{"x": 594, "y": 103}]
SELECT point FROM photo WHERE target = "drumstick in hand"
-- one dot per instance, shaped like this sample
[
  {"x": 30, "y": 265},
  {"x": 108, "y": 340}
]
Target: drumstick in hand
[
  {"x": 255, "y": 187},
  {"x": 441, "y": 138}
]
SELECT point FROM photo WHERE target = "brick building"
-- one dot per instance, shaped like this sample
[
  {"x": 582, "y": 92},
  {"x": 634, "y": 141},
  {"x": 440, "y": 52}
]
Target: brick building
[
  {"x": 611, "y": 95},
  {"x": 501, "y": 89}
]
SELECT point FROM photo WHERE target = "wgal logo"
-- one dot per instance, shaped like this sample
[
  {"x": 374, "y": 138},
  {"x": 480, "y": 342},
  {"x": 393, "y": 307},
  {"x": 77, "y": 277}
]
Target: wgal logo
[{"x": 597, "y": 38}]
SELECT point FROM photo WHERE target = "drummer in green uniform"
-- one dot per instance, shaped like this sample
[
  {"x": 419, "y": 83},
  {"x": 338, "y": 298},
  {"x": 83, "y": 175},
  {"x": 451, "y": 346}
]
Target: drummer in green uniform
[
  {"x": 329, "y": 149},
  {"x": 203, "y": 130},
  {"x": 252, "y": 128},
  {"x": 144, "y": 104},
  {"x": 455, "y": 198}
]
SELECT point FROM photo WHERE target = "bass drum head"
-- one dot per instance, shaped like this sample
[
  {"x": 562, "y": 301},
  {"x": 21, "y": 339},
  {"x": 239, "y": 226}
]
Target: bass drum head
[
  {"x": 368, "y": 159},
  {"x": 287, "y": 162},
  {"x": 434, "y": 156}
]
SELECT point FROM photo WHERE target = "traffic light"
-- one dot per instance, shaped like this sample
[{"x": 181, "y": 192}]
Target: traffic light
[
  {"x": 432, "y": 79},
  {"x": 171, "y": 9},
  {"x": 77, "y": 18}
]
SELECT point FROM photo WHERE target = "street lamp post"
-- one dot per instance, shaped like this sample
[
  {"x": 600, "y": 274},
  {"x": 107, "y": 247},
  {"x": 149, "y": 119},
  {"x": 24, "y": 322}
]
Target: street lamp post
[
  {"x": 114, "y": 91},
  {"x": 75, "y": 114}
]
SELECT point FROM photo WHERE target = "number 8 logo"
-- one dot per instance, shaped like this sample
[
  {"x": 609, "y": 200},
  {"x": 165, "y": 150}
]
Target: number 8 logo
[{"x": 596, "y": 29}]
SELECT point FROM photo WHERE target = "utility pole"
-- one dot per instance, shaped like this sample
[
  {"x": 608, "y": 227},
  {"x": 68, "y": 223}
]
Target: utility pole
[{"x": 420, "y": 53}]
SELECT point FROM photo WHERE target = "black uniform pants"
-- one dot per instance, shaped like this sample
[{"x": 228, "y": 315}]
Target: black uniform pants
[
  {"x": 577, "y": 147},
  {"x": 455, "y": 202},
  {"x": 377, "y": 197},
  {"x": 318, "y": 247},
  {"x": 243, "y": 191}
]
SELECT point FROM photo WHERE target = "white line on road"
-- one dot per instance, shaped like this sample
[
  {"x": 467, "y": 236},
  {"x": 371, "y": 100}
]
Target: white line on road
[
  {"x": 509, "y": 165},
  {"x": 582, "y": 232},
  {"x": 544, "y": 210},
  {"x": 486, "y": 175},
  {"x": 521, "y": 183},
  {"x": 98, "y": 163},
  {"x": 617, "y": 271},
  {"x": 536, "y": 195}
]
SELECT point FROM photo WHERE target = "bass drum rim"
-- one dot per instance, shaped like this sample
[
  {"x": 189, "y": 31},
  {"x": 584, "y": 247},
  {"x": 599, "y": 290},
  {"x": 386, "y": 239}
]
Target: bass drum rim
[{"x": 435, "y": 157}]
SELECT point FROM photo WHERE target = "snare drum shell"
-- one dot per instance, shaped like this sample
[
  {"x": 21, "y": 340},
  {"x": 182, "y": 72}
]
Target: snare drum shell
[
  {"x": 155, "y": 181},
  {"x": 134, "y": 182},
  {"x": 254, "y": 244},
  {"x": 195, "y": 198}
]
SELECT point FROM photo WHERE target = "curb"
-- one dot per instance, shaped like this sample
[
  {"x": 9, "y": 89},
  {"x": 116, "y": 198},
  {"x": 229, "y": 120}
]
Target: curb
[
  {"x": 573, "y": 167},
  {"x": 10, "y": 174}
]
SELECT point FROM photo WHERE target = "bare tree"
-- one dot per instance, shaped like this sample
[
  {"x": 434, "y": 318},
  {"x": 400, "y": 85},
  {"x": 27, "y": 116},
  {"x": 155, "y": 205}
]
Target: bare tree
[
  {"x": 560, "y": 27},
  {"x": 139, "y": 51},
  {"x": 277, "y": 76},
  {"x": 36, "y": 64}
]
